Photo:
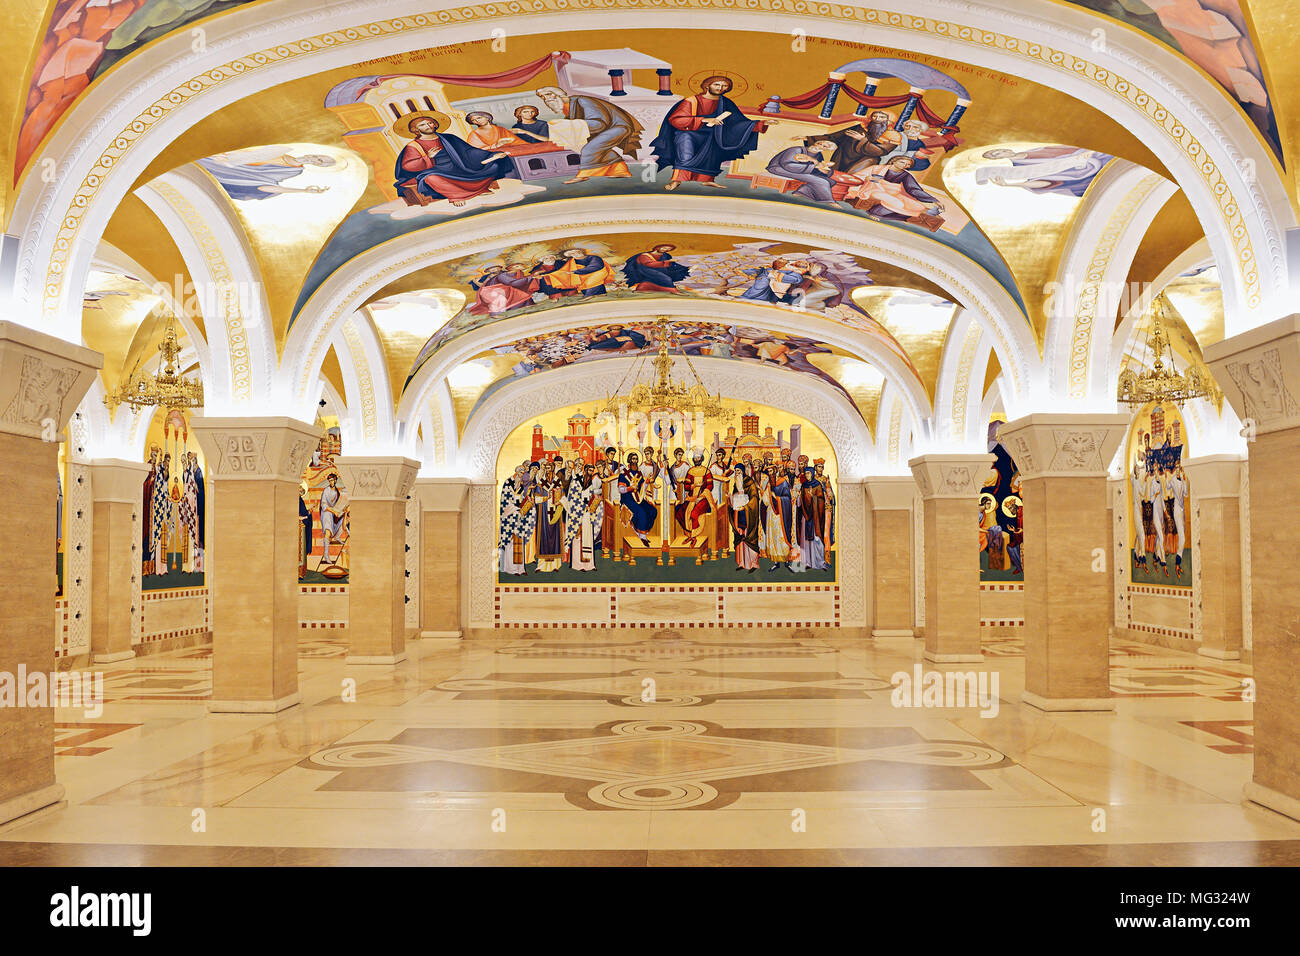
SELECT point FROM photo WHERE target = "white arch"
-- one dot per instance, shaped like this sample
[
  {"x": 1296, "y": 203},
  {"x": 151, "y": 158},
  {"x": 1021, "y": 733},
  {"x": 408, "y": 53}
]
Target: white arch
[
  {"x": 109, "y": 258},
  {"x": 1217, "y": 157},
  {"x": 516, "y": 403},
  {"x": 370, "y": 426},
  {"x": 1089, "y": 287},
  {"x": 1193, "y": 257},
  {"x": 726, "y": 312},
  {"x": 229, "y": 286},
  {"x": 957, "y": 398},
  {"x": 895, "y": 431},
  {"x": 968, "y": 285}
]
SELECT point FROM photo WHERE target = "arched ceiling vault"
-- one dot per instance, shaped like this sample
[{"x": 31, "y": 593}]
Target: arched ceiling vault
[{"x": 250, "y": 159}]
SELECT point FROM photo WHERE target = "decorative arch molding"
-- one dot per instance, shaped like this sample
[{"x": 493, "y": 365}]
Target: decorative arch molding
[
  {"x": 722, "y": 311},
  {"x": 895, "y": 433},
  {"x": 967, "y": 284},
  {"x": 369, "y": 426},
  {"x": 438, "y": 445},
  {"x": 1117, "y": 210},
  {"x": 517, "y": 403},
  {"x": 1219, "y": 160},
  {"x": 965, "y": 357},
  {"x": 223, "y": 266}
]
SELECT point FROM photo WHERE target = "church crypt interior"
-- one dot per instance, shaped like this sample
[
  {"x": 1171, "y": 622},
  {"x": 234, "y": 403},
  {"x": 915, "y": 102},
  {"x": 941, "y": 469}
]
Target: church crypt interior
[{"x": 777, "y": 433}]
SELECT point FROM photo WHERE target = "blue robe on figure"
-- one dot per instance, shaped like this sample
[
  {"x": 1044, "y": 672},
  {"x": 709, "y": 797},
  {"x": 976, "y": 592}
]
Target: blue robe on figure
[
  {"x": 703, "y": 150},
  {"x": 457, "y": 160}
]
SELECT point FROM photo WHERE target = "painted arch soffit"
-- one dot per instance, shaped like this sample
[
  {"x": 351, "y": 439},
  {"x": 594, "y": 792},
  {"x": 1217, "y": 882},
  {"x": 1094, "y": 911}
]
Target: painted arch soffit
[
  {"x": 605, "y": 218},
  {"x": 782, "y": 389},
  {"x": 1262, "y": 246},
  {"x": 755, "y": 338}
]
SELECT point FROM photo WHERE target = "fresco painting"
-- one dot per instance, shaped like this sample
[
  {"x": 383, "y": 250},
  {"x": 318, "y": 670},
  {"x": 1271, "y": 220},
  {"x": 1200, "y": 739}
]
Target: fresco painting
[
  {"x": 591, "y": 499},
  {"x": 173, "y": 505},
  {"x": 1160, "y": 498},
  {"x": 540, "y": 276},
  {"x": 1001, "y": 515},
  {"x": 553, "y": 350},
  {"x": 1213, "y": 34},
  {"x": 323, "y": 511},
  {"x": 576, "y": 123}
]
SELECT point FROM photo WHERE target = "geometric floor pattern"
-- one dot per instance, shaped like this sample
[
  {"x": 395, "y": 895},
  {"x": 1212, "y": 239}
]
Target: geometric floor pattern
[{"x": 660, "y": 747}]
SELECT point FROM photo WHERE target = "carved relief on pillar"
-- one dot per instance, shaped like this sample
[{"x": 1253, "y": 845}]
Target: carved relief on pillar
[
  {"x": 42, "y": 379},
  {"x": 951, "y": 476},
  {"x": 1259, "y": 372},
  {"x": 255, "y": 448},
  {"x": 376, "y": 478},
  {"x": 1069, "y": 445}
]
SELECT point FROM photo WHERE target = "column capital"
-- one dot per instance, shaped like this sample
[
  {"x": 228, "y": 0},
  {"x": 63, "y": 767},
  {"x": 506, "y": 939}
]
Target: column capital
[
  {"x": 115, "y": 479},
  {"x": 950, "y": 475},
  {"x": 890, "y": 492},
  {"x": 1214, "y": 476},
  {"x": 377, "y": 477},
  {"x": 1064, "y": 444},
  {"x": 42, "y": 380},
  {"x": 255, "y": 448},
  {"x": 442, "y": 494},
  {"x": 1259, "y": 372}
]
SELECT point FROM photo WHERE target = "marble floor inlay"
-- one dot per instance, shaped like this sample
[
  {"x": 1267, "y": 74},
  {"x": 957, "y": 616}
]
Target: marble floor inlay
[{"x": 627, "y": 749}]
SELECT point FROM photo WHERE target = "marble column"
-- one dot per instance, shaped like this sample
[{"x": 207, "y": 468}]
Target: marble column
[
  {"x": 442, "y": 533},
  {"x": 1215, "y": 489},
  {"x": 892, "y": 498},
  {"x": 377, "y": 487},
  {"x": 115, "y": 488},
  {"x": 950, "y": 486},
  {"x": 1259, "y": 372},
  {"x": 1064, "y": 462},
  {"x": 42, "y": 379},
  {"x": 255, "y": 466}
]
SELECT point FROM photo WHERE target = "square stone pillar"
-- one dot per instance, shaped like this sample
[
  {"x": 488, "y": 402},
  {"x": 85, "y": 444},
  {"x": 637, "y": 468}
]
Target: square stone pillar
[
  {"x": 42, "y": 380},
  {"x": 1064, "y": 461},
  {"x": 950, "y": 486},
  {"x": 255, "y": 466},
  {"x": 892, "y": 499},
  {"x": 442, "y": 533},
  {"x": 115, "y": 488},
  {"x": 377, "y": 489},
  {"x": 1259, "y": 372},
  {"x": 1215, "y": 489}
]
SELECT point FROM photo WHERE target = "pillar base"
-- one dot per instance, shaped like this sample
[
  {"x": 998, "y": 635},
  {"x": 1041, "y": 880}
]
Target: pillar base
[
  {"x": 376, "y": 658},
  {"x": 888, "y": 632},
  {"x": 27, "y": 803},
  {"x": 112, "y": 658},
  {"x": 1056, "y": 705},
  {"x": 448, "y": 635},
  {"x": 254, "y": 706},
  {"x": 1219, "y": 654},
  {"x": 1271, "y": 799},
  {"x": 938, "y": 658}
]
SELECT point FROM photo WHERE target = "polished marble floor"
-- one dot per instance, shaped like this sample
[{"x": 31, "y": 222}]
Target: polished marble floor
[{"x": 656, "y": 748}]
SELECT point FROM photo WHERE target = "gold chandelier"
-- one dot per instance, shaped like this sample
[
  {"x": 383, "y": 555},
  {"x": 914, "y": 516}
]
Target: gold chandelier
[
  {"x": 664, "y": 392},
  {"x": 1158, "y": 382},
  {"x": 166, "y": 388}
]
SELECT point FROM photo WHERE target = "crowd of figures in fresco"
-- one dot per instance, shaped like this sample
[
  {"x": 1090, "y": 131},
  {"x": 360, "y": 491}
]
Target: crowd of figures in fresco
[
  {"x": 544, "y": 275},
  {"x": 172, "y": 529},
  {"x": 774, "y": 507},
  {"x": 1161, "y": 498}
]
